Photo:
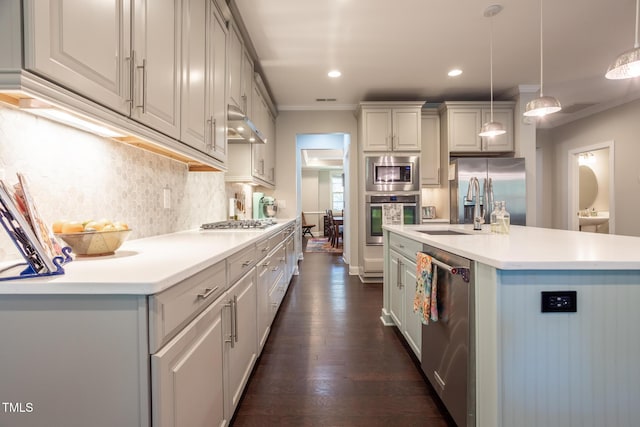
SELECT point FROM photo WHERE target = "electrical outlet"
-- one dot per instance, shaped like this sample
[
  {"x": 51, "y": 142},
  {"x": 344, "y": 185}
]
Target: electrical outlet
[{"x": 559, "y": 301}]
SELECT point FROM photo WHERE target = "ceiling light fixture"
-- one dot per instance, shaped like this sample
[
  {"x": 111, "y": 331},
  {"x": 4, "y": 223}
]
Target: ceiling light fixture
[
  {"x": 492, "y": 128},
  {"x": 334, "y": 74},
  {"x": 627, "y": 65},
  {"x": 455, "y": 72},
  {"x": 543, "y": 105}
]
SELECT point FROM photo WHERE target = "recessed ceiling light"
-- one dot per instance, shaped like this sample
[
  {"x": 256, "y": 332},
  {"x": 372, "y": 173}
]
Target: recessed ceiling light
[
  {"x": 455, "y": 72},
  {"x": 334, "y": 73}
]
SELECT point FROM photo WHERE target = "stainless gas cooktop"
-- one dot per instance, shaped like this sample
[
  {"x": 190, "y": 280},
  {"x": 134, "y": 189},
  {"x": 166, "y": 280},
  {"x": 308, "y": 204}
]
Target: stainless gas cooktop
[{"x": 244, "y": 224}]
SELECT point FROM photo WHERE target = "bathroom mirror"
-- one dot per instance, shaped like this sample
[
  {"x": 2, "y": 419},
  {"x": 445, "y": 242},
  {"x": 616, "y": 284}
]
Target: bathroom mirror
[{"x": 588, "y": 184}]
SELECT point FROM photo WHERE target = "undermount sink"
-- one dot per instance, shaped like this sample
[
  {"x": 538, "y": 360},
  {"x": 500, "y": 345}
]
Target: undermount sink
[
  {"x": 593, "y": 220},
  {"x": 443, "y": 232}
]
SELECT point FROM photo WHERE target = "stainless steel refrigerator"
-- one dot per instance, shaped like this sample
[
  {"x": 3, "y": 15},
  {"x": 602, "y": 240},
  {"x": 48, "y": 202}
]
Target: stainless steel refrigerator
[{"x": 499, "y": 178}]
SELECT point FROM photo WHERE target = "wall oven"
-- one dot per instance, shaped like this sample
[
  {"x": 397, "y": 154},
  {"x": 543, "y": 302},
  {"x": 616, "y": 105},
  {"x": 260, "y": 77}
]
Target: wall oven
[
  {"x": 392, "y": 173},
  {"x": 373, "y": 210}
]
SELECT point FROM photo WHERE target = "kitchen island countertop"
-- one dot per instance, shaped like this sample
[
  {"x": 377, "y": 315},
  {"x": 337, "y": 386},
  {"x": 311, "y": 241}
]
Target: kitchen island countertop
[
  {"x": 144, "y": 266},
  {"x": 532, "y": 248}
]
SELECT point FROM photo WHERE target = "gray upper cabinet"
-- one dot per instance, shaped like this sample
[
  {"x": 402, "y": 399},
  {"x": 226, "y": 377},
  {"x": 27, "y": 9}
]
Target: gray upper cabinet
[
  {"x": 390, "y": 126},
  {"x": 240, "y": 72},
  {"x": 160, "y": 65},
  {"x": 90, "y": 53},
  {"x": 430, "y": 152},
  {"x": 203, "y": 81},
  {"x": 461, "y": 122}
]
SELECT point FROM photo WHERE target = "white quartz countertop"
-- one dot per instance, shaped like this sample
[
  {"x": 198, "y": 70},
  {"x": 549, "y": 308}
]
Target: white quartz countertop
[
  {"x": 532, "y": 248},
  {"x": 144, "y": 266}
]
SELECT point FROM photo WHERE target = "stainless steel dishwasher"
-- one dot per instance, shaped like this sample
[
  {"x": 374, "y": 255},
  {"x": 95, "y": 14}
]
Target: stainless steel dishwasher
[{"x": 448, "y": 345}]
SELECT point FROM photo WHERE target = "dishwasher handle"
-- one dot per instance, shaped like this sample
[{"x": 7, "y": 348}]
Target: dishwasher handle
[{"x": 462, "y": 271}]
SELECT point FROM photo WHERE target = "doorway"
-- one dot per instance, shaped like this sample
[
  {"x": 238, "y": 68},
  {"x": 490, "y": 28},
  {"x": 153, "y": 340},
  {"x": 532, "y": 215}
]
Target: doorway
[
  {"x": 591, "y": 203},
  {"x": 320, "y": 160}
]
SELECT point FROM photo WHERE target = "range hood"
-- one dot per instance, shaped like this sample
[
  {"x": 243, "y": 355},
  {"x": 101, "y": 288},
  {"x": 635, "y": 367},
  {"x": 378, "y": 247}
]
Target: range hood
[{"x": 242, "y": 130}]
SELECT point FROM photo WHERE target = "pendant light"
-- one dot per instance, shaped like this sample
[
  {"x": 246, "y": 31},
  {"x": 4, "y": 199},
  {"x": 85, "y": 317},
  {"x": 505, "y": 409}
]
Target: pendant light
[
  {"x": 543, "y": 105},
  {"x": 627, "y": 65},
  {"x": 492, "y": 128}
]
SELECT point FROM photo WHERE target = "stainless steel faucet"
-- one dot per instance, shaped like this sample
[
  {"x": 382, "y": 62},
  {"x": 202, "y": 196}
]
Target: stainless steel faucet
[{"x": 474, "y": 191}]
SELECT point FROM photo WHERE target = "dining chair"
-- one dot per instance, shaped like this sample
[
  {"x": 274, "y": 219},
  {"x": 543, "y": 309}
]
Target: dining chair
[{"x": 306, "y": 228}]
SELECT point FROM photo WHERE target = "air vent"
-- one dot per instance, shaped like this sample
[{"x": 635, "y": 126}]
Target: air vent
[
  {"x": 574, "y": 108},
  {"x": 326, "y": 99}
]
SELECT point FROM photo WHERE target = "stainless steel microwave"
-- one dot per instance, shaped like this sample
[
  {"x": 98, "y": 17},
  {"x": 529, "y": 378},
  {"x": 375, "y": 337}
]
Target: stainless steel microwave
[{"x": 392, "y": 173}]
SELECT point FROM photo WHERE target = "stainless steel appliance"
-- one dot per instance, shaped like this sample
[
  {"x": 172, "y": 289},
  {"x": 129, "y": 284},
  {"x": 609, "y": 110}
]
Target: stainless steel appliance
[
  {"x": 373, "y": 210},
  {"x": 448, "y": 345},
  {"x": 392, "y": 173},
  {"x": 499, "y": 178}
]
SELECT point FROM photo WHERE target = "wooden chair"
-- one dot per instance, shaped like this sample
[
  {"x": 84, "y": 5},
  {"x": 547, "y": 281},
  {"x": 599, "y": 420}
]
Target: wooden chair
[
  {"x": 336, "y": 230},
  {"x": 306, "y": 228},
  {"x": 330, "y": 229}
]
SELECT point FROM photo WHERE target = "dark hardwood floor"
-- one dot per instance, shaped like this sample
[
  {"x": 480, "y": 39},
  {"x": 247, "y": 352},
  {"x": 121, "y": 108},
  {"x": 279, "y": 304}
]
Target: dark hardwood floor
[{"x": 329, "y": 361}]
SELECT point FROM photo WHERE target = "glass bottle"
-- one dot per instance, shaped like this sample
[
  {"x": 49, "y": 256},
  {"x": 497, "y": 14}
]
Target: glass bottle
[
  {"x": 493, "y": 218},
  {"x": 504, "y": 219}
]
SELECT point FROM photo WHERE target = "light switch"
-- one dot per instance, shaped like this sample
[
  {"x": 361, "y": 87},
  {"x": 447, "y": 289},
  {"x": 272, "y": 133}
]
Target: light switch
[{"x": 559, "y": 302}]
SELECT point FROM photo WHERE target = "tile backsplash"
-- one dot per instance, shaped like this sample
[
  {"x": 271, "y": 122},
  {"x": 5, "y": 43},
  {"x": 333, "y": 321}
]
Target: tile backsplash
[{"x": 77, "y": 176}]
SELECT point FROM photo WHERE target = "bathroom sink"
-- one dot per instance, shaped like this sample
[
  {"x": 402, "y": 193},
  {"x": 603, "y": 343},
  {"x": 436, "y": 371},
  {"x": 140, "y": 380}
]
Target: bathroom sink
[
  {"x": 593, "y": 220},
  {"x": 443, "y": 232}
]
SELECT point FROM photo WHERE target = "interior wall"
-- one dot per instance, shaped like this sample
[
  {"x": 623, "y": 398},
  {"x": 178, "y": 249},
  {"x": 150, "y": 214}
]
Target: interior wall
[
  {"x": 289, "y": 125},
  {"x": 75, "y": 175},
  {"x": 621, "y": 125},
  {"x": 310, "y": 199}
]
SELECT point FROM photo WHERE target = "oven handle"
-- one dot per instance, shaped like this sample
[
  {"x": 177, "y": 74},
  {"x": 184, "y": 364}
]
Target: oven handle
[{"x": 462, "y": 271}]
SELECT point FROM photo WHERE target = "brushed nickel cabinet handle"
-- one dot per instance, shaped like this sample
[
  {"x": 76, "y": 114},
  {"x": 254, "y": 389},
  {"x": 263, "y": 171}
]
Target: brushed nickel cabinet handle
[{"x": 207, "y": 292}]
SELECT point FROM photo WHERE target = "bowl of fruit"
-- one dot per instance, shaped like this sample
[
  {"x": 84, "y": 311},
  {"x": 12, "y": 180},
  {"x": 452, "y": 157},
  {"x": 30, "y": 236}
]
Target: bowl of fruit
[{"x": 92, "y": 238}]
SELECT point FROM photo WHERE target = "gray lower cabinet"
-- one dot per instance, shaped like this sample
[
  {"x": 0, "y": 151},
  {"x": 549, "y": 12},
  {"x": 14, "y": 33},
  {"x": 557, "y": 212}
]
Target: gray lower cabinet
[
  {"x": 188, "y": 384},
  {"x": 74, "y": 360},
  {"x": 179, "y": 358},
  {"x": 401, "y": 287},
  {"x": 242, "y": 339}
]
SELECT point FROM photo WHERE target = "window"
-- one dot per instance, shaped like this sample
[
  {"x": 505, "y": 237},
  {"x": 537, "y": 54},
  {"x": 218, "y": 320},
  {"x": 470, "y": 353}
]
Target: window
[{"x": 337, "y": 192}]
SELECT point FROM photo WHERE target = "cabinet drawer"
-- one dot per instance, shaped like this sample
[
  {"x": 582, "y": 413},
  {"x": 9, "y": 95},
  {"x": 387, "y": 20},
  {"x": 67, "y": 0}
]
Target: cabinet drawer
[
  {"x": 263, "y": 248},
  {"x": 276, "y": 239},
  {"x": 241, "y": 262},
  {"x": 172, "y": 309},
  {"x": 278, "y": 260},
  {"x": 405, "y": 246}
]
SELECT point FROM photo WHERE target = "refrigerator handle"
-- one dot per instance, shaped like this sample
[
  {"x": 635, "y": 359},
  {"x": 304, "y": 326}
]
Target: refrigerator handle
[
  {"x": 490, "y": 198},
  {"x": 485, "y": 200}
]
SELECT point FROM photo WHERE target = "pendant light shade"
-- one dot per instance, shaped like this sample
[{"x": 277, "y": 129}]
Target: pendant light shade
[
  {"x": 492, "y": 128},
  {"x": 627, "y": 65},
  {"x": 543, "y": 105}
]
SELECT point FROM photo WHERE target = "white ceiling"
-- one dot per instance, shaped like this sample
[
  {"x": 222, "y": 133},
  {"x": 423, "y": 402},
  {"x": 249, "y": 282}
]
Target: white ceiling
[
  {"x": 322, "y": 159},
  {"x": 402, "y": 49}
]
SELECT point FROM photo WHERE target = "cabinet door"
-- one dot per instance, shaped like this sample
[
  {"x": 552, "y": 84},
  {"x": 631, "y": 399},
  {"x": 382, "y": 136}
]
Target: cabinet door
[
  {"x": 156, "y": 37},
  {"x": 218, "y": 102},
  {"x": 500, "y": 143},
  {"x": 83, "y": 46},
  {"x": 463, "y": 127},
  {"x": 187, "y": 374},
  {"x": 246, "y": 84},
  {"x": 406, "y": 129},
  {"x": 412, "y": 329},
  {"x": 430, "y": 149},
  {"x": 242, "y": 351},
  {"x": 396, "y": 291},
  {"x": 264, "y": 306},
  {"x": 196, "y": 82},
  {"x": 235, "y": 68},
  {"x": 376, "y": 130}
]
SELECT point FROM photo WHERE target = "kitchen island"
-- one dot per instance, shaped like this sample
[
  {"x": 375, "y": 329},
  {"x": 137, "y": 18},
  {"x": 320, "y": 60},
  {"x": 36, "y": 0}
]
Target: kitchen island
[
  {"x": 165, "y": 332},
  {"x": 533, "y": 368}
]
